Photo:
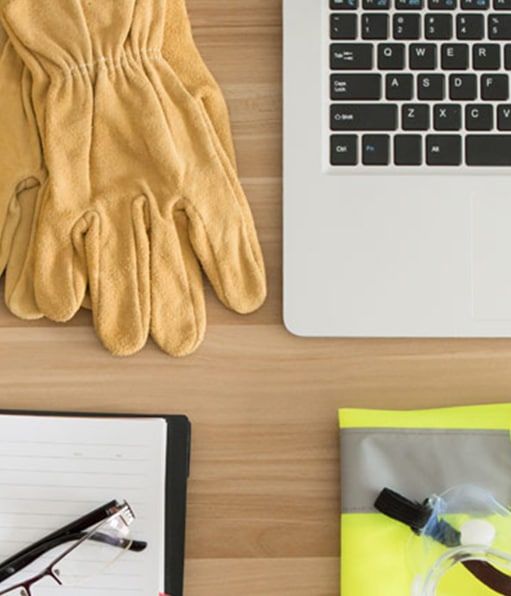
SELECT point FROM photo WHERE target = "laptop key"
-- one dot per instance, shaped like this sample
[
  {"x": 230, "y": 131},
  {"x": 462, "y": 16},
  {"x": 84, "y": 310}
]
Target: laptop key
[
  {"x": 438, "y": 26},
  {"x": 470, "y": 26},
  {"x": 504, "y": 117},
  {"x": 486, "y": 56},
  {"x": 499, "y": 26},
  {"x": 447, "y": 116},
  {"x": 415, "y": 116},
  {"x": 443, "y": 150},
  {"x": 408, "y": 150},
  {"x": 355, "y": 86},
  {"x": 375, "y": 26},
  {"x": 343, "y": 150},
  {"x": 351, "y": 56},
  {"x": 501, "y": 4},
  {"x": 488, "y": 150},
  {"x": 454, "y": 56},
  {"x": 406, "y": 26},
  {"x": 423, "y": 56},
  {"x": 363, "y": 117},
  {"x": 375, "y": 150},
  {"x": 391, "y": 56},
  {"x": 463, "y": 86},
  {"x": 343, "y": 4},
  {"x": 399, "y": 86},
  {"x": 431, "y": 86},
  {"x": 442, "y": 4},
  {"x": 478, "y": 117},
  {"x": 495, "y": 87},
  {"x": 475, "y": 4},
  {"x": 343, "y": 26}
]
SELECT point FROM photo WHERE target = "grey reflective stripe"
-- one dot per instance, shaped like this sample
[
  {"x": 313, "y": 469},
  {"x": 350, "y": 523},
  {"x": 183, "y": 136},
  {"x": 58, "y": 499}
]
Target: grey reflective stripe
[{"x": 420, "y": 462}]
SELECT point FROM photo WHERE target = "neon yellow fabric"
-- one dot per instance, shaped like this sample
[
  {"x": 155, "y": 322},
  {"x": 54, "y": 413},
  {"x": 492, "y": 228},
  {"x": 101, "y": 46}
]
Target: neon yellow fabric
[
  {"x": 144, "y": 273},
  {"x": 375, "y": 550}
]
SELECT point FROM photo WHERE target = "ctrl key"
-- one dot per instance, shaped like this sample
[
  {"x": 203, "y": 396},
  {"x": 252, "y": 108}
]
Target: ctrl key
[{"x": 343, "y": 150}]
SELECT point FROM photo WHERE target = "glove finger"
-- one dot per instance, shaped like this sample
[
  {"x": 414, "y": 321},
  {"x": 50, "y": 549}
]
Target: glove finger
[
  {"x": 223, "y": 235},
  {"x": 178, "y": 316},
  {"x": 119, "y": 280},
  {"x": 182, "y": 54},
  {"x": 18, "y": 234},
  {"x": 60, "y": 270}
]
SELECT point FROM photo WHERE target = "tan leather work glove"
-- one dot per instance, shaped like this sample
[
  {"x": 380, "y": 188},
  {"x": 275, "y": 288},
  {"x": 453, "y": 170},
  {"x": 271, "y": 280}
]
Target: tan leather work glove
[{"x": 136, "y": 172}]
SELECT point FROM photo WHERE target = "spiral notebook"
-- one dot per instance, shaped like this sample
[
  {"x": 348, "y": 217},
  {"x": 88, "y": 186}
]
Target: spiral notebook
[{"x": 56, "y": 467}]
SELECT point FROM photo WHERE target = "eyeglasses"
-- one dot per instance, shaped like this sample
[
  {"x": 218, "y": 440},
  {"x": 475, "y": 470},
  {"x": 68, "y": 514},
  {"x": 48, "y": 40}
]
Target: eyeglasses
[{"x": 80, "y": 550}]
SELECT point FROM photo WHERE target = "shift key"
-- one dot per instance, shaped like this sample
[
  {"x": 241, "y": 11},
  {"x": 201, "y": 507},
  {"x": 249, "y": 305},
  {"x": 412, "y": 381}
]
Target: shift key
[
  {"x": 351, "y": 56},
  {"x": 363, "y": 116}
]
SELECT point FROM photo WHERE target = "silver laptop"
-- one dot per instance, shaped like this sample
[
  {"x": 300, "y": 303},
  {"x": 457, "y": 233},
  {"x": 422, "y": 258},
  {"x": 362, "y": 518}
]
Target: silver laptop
[{"x": 397, "y": 167}]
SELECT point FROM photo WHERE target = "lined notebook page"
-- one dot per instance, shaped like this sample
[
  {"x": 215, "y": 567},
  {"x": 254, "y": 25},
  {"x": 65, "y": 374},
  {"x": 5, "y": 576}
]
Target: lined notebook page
[{"x": 54, "y": 470}]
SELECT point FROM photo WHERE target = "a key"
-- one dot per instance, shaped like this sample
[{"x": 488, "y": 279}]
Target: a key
[
  {"x": 352, "y": 56},
  {"x": 363, "y": 117},
  {"x": 431, "y": 86},
  {"x": 486, "y": 56},
  {"x": 375, "y": 26},
  {"x": 422, "y": 56},
  {"x": 375, "y": 150},
  {"x": 478, "y": 117},
  {"x": 408, "y": 150},
  {"x": 443, "y": 150},
  {"x": 470, "y": 26},
  {"x": 415, "y": 116},
  {"x": 454, "y": 56},
  {"x": 495, "y": 86},
  {"x": 391, "y": 56},
  {"x": 463, "y": 86},
  {"x": 406, "y": 26},
  {"x": 488, "y": 150},
  {"x": 355, "y": 86},
  {"x": 343, "y": 150},
  {"x": 343, "y": 4},
  {"x": 442, "y": 4},
  {"x": 447, "y": 116},
  {"x": 438, "y": 26},
  {"x": 504, "y": 117},
  {"x": 399, "y": 86},
  {"x": 499, "y": 26},
  {"x": 343, "y": 26}
]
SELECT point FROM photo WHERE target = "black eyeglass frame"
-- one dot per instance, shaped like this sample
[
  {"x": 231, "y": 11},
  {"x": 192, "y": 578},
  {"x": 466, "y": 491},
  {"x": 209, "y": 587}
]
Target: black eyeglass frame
[{"x": 78, "y": 530}]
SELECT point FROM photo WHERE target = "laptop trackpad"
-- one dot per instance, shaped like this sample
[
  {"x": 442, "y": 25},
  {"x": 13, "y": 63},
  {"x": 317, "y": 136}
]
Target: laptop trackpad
[{"x": 491, "y": 242}]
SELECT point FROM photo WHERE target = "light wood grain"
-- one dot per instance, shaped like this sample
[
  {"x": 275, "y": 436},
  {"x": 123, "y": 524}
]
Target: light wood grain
[{"x": 263, "y": 499}]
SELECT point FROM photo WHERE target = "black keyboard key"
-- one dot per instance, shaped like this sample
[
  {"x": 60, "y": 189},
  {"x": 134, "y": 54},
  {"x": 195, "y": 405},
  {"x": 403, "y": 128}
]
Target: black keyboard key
[
  {"x": 343, "y": 4},
  {"x": 438, "y": 26},
  {"x": 442, "y": 4},
  {"x": 499, "y": 26},
  {"x": 343, "y": 150},
  {"x": 351, "y": 56},
  {"x": 409, "y": 4},
  {"x": 431, "y": 86},
  {"x": 355, "y": 86},
  {"x": 408, "y": 150},
  {"x": 495, "y": 87},
  {"x": 422, "y": 56},
  {"x": 375, "y": 26},
  {"x": 501, "y": 4},
  {"x": 507, "y": 56},
  {"x": 391, "y": 56},
  {"x": 486, "y": 56},
  {"x": 454, "y": 56},
  {"x": 447, "y": 116},
  {"x": 463, "y": 86},
  {"x": 399, "y": 86},
  {"x": 478, "y": 117},
  {"x": 375, "y": 150},
  {"x": 470, "y": 26},
  {"x": 376, "y": 4},
  {"x": 504, "y": 117},
  {"x": 443, "y": 150},
  {"x": 475, "y": 4},
  {"x": 488, "y": 150},
  {"x": 415, "y": 116},
  {"x": 343, "y": 26},
  {"x": 363, "y": 117},
  {"x": 407, "y": 26}
]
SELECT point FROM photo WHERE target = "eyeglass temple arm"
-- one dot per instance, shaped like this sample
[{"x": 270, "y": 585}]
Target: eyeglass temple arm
[{"x": 72, "y": 531}]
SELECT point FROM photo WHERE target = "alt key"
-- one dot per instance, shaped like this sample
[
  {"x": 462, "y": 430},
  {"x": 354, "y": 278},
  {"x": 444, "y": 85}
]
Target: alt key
[{"x": 343, "y": 150}]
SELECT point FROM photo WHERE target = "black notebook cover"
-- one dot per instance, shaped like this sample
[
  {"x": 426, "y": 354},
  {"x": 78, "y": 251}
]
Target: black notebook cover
[{"x": 178, "y": 470}]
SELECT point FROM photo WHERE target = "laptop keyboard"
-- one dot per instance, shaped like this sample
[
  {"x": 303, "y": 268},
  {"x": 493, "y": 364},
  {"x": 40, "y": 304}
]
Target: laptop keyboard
[{"x": 420, "y": 82}]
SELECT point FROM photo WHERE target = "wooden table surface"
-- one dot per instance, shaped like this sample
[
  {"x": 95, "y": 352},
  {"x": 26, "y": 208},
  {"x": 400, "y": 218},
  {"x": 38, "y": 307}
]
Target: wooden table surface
[{"x": 264, "y": 486}]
